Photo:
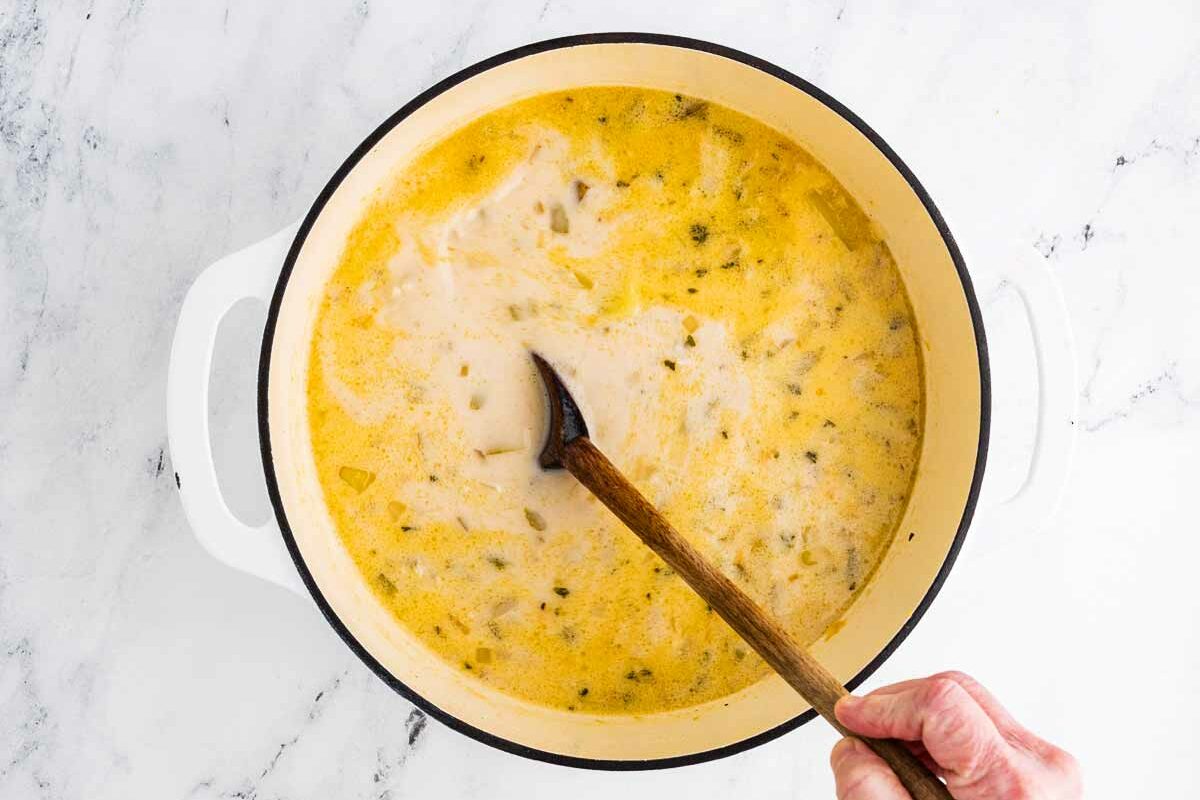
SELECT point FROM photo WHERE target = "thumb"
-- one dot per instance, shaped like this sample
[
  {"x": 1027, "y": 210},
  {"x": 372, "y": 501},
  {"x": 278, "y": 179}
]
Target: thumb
[{"x": 862, "y": 775}]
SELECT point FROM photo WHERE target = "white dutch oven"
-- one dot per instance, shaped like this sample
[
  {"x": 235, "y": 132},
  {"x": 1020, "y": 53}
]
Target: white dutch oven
[{"x": 301, "y": 550}]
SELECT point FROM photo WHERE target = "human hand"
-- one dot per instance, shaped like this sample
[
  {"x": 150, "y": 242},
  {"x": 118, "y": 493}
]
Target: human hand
[{"x": 959, "y": 730}]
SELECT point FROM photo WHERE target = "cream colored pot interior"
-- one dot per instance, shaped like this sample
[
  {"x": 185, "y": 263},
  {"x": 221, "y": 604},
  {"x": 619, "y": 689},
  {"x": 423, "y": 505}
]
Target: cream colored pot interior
[{"x": 952, "y": 424}]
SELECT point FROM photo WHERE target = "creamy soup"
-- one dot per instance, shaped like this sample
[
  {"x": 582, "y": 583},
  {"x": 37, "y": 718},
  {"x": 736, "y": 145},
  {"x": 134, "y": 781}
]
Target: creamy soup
[{"x": 736, "y": 333}]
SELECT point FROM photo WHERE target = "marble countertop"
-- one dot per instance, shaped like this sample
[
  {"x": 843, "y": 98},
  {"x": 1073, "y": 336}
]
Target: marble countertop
[{"x": 139, "y": 142}]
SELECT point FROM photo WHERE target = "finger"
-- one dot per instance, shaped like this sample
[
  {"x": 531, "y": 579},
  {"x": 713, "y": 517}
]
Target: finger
[
  {"x": 862, "y": 775},
  {"x": 956, "y": 731},
  {"x": 987, "y": 701},
  {"x": 895, "y": 688},
  {"x": 918, "y": 750},
  {"x": 1004, "y": 721}
]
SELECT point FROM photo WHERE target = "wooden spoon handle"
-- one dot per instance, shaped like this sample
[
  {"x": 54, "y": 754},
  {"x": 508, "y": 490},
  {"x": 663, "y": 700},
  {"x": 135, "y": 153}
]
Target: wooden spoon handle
[{"x": 803, "y": 672}]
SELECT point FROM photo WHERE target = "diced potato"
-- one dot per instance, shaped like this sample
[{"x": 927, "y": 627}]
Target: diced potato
[
  {"x": 558, "y": 219},
  {"x": 503, "y": 607},
  {"x": 357, "y": 479}
]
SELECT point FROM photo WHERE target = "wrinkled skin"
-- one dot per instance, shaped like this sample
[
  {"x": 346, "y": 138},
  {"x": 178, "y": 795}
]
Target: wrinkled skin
[{"x": 958, "y": 729}]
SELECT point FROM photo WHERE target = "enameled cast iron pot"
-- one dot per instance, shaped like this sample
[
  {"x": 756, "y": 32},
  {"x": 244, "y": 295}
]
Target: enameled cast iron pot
[{"x": 304, "y": 553}]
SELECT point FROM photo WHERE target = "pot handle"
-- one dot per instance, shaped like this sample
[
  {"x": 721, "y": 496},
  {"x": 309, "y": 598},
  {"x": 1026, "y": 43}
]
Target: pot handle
[
  {"x": 251, "y": 272},
  {"x": 1039, "y": 495}
]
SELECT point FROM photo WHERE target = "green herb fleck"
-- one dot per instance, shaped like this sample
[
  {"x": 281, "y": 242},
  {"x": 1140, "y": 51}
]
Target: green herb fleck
[
  {"x": 669, "y": 364},
  {"x": 561, "y": 591},
  {"x": 699, "y": 233},
  {"x": 686, "y": 109},
  {"x": 729, "y": 134},
  {"x": 535, "y": 520},
  {"x": 690, "y": 341},
  {"x": 811, "y": 456}
]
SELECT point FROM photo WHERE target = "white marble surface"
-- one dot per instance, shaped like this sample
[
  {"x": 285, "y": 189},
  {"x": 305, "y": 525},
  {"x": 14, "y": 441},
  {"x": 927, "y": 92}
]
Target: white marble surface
[{"x": 141, "y": 141}]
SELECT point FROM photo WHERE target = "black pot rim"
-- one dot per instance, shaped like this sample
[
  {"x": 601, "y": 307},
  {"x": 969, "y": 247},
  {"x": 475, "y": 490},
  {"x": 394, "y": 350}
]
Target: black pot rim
[{"x": 277, "y": 300}]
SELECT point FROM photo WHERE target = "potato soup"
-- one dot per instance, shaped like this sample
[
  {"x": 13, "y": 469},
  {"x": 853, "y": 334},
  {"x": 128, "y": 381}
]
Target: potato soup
[{"x": 735, "y": 332}]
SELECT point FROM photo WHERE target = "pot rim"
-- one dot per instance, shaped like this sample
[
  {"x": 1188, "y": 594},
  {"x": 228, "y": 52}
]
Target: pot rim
[{"x": 318, "y": 206}]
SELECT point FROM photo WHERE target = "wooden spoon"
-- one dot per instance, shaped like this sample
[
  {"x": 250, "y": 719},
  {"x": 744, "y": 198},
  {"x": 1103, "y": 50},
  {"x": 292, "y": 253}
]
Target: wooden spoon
[{"x": 567, "y": 445}]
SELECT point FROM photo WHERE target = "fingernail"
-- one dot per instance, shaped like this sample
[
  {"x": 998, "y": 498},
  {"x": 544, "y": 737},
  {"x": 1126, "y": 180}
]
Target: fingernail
[{"x": 849, "y": 703}]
